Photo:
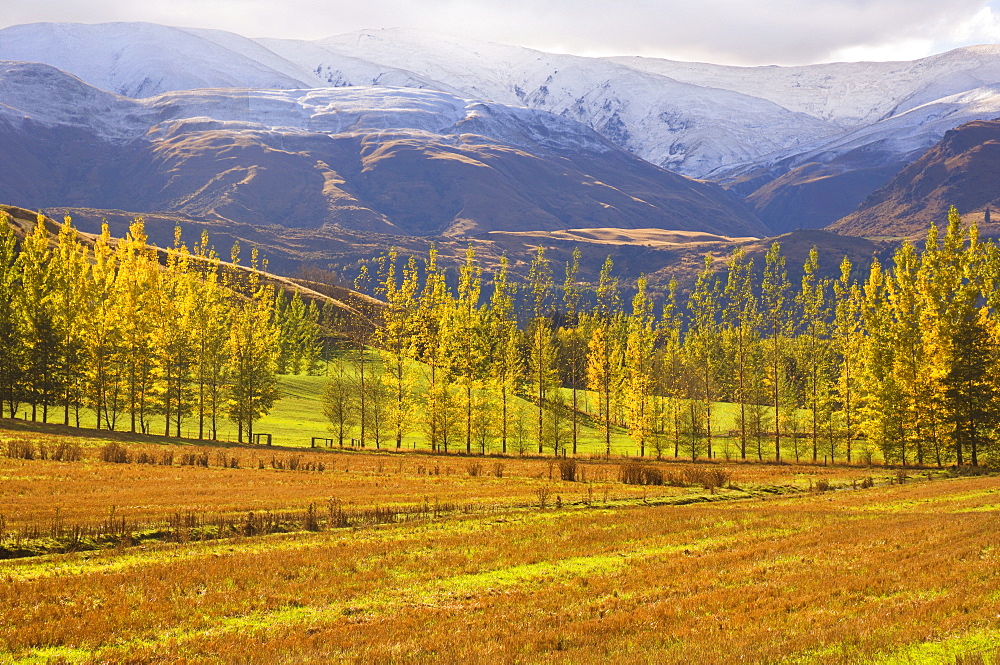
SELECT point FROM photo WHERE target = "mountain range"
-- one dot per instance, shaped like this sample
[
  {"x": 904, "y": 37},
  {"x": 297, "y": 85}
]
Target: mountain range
[
  {"x": 387, "y": 160},
  {"x": 405, "y": 134}
]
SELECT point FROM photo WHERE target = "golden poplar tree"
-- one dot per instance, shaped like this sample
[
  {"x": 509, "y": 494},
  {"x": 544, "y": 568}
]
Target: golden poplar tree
[
  {"x": 136, "y": 289},
  {"x": 742, "y": 321},
  {"x": 211, "y": 319},
  {"x": 702, "y": 343},
  {"x": 175, "y": 337},
  {"x": 572, "y": 342},
  {"x": 640, "y": 351},
  {"x": 466, "y": 343},
  {"x": 35, "y": 302},
  {"x": 430, "y": 318},
  {"x": 777, "y": 325},
  {"x": 106, "y": 378},
  {"x": 814, "y": 343},
  {"x": 395, "y": 342},
  {"x": 909, "y": 362},
  {"x": 880, "y": 394},
  {"x": 848, "y": 338},
  {"x": 253, "y": 357},
  {"x": 540, "y": 337},
  {"x": 604, "y": 357},
  {"x": 11, "y": 325},
  {"x": 70, "y": 308},
  {"x": 671, "y": 365},
  {"x": 506, "y": 361}
]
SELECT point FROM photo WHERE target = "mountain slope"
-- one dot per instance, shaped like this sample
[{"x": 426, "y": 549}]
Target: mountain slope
[
  {"x": 141, "y": 59},
  {"x": 688, "y": 128},
  {"x": 400, "y": 161},
  {"x": 805, "y": 144},
  {"x": 850, "y": 94},
  {"x": 680, "y": 126},
  {"x": 963, "y": 170}
]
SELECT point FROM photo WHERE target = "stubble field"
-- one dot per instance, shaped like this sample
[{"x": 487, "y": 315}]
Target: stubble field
[{"x": 421, "y": 558}]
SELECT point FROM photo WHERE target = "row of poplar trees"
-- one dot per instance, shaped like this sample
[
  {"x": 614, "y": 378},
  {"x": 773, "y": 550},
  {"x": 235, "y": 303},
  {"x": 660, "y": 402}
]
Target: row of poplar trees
[
  {"x": 900, "y": 362},
  {"x": 130, "y": 334}
]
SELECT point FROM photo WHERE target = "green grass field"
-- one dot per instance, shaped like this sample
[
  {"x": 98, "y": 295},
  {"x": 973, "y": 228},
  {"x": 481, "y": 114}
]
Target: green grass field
[{"x": 298, "y": 417}]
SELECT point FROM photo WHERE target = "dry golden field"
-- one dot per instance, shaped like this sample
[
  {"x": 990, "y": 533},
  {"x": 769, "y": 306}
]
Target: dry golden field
[{"x": 420, "y": 558}]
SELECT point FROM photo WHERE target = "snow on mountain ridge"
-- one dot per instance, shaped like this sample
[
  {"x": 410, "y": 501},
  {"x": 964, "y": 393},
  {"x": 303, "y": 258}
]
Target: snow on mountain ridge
[
  {"x": 342, "y": 71},
  {"x": 68, "y": 102},
  {"x": 117, "y": 118},
  {"x": 140, "y": 59},
  {"x": 365, "y": 109},
  {"x": 897, "y": 138},
  {"x": 699, "y": 119},
  {"x": 914, "y": 130},
  {"x": 849, "y": 94},
  {"x": 680, "y": 126}
]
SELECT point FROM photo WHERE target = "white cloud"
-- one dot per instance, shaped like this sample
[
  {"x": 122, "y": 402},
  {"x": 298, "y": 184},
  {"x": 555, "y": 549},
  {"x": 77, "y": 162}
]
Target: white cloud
[
  {"x": 983, "y": 27},
  {"x": 910, "y": 49},
  {"x": 735, "y": 31}
]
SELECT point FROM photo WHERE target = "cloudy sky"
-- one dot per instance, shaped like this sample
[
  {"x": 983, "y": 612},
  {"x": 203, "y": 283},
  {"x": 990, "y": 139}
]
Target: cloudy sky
[{"x": 749, "y": 32}]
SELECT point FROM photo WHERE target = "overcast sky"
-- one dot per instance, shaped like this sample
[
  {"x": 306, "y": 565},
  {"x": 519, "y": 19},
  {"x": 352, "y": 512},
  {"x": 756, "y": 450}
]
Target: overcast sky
[{"x": 747, "y": 32}]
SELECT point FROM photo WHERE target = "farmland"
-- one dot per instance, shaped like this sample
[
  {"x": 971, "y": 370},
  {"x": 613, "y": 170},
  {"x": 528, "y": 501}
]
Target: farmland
[
  {"x": 433, "y": 558},
  {"x": 449, "y": 440}
]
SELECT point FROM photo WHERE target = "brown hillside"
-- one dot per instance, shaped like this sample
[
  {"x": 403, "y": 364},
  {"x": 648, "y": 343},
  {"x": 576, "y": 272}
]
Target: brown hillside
[
  {"x": 332, "y": 255},
  {"x": 814, "y": 195},
  {"x": 372, "y": 171},
  {"x": 963, "y": 170}
]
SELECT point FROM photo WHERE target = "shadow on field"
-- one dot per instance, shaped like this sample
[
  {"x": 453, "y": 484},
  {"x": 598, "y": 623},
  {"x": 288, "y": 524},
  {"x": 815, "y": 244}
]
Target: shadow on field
[{"x": 18, "y": 425}]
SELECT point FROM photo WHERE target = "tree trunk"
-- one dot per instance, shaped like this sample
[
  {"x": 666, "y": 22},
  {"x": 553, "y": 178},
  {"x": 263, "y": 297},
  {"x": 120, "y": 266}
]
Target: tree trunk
[
  {"x": 576, "y": 415},
  {"x": 503, "y": 424}
]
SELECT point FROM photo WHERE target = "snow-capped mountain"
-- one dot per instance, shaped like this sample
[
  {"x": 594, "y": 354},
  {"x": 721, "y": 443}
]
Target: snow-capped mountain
[
  {"x": 687, "y": 128},
  {"x": 389, "y": 160},
  {"x": 746, "y": 127},
  {"x": 142, "y": 59},
  {"x": 683, "y": 127},
  {"x": 850, "y": 94}
]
